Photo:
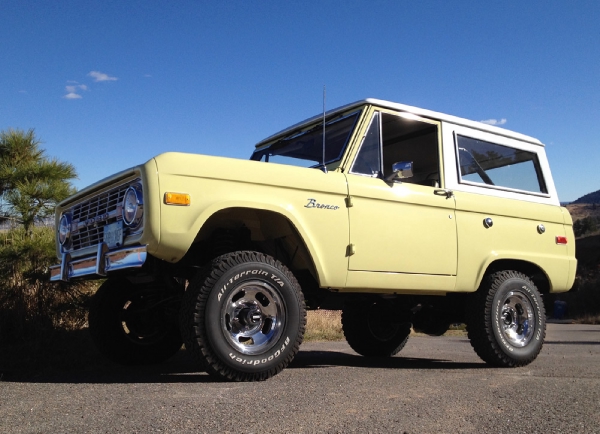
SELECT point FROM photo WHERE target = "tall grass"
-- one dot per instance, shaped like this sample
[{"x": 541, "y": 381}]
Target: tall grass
[
  {"x": 29, "y": 303},
  {"x": 34, "y": 311},
  {"x": 589, "y": 319},
  {"x": 323, "y": 325},
  {"x": 326, "y": 325}
]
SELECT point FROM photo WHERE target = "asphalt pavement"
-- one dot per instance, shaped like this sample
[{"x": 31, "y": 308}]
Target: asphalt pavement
[{"x": 435, "y": 385}]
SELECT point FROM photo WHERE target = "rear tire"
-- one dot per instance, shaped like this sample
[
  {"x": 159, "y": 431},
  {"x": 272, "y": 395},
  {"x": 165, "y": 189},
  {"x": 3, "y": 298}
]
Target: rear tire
[
  {"x": 374, "y": 328},
  {"x": 506, "y": 320},
  {"x": 244, "y": 318},
  {"x": 136, "y": 324}
]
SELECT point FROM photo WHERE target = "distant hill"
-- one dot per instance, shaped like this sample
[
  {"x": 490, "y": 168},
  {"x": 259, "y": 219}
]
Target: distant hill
[
  {"x": 586, "y": 206},
  {"x": 589, "y": 198},
  {"x": 582, "y": 210}
]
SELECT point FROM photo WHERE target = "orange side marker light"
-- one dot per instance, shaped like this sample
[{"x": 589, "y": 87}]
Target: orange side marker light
[{"x": 177, "y": 199}]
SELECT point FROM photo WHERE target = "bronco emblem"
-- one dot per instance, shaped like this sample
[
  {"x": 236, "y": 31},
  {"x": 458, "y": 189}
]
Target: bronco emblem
[{"x": 312, "y": 203}]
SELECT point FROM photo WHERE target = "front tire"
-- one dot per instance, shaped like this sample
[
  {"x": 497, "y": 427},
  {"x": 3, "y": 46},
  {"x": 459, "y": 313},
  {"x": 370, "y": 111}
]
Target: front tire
[
  {"x": 506, "y": 322},
  {"x": 244, "y": 318},
  {"x": 136, "y": 324},
  {"x": 374, "y": 328}
]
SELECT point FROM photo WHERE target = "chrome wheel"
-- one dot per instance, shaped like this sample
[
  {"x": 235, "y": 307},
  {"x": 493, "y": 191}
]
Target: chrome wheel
[
  {"x": 253, "y": 317},
  {"x": 518, "y": 319},
  {"x": 506, "y": 321},
  {"x": 243, "y": 319}
]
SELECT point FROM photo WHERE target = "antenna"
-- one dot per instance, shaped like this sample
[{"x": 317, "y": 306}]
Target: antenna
[{"x": 324, "y": 168}]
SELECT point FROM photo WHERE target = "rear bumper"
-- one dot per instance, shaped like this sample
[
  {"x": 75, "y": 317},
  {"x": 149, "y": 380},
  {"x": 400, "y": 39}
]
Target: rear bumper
[{"x": 100, "y": 264}]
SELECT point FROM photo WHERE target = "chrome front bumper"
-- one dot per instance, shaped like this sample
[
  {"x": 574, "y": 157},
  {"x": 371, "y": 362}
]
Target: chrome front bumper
[{"x": 100, "y": 264}]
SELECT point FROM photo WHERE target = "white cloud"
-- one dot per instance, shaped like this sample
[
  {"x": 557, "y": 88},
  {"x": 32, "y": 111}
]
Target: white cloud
[
  {"x": 76, "y": 88},
  {"x": 494, "y": 121},
  {"x": 72, "y": 95},
  {"x": 73, "y": 89},
  {"x": 100, "y": 76}
]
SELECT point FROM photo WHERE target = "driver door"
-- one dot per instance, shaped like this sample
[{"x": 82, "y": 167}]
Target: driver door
[{"x": 402, "y": 232}]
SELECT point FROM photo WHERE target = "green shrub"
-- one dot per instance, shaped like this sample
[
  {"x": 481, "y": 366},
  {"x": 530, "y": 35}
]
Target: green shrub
[
  {"x": 584, "y": 299},
  {"x": 586, "y": 225}
]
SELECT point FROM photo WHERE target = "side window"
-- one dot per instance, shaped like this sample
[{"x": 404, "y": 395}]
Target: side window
[
  {"x": 392, "y": 139},
  {"x": 482, "y": 162},
  {"x": 368, "y": 159},
  {"x": 407, "y": 138}
]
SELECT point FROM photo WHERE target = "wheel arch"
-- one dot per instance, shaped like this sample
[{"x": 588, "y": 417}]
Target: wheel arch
[
  {"x": 268, "y": 231},
  {"x": 533, "y": 271}
]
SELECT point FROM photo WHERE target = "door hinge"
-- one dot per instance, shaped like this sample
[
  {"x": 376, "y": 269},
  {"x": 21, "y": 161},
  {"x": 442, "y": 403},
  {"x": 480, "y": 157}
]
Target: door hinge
[
  {"x": 350, "y": 250},
  {"x": 349, "y": 203}
]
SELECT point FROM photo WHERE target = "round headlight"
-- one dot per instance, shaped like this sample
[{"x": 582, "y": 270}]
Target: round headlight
[
  {"x": 64, "y": 229},
  {"x": 132, "y": 206}
]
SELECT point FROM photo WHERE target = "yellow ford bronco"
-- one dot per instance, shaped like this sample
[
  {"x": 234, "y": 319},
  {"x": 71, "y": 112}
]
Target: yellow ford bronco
[{"x": 400, "y": 217}]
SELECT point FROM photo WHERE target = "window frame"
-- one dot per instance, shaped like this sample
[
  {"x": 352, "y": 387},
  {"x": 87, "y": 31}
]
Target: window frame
[
  {"x": 407, "y": 115},
  {"x": 374, "y": 113},
  {"x": 263, "y": 151},
  {"x": 539, "y": 169}
]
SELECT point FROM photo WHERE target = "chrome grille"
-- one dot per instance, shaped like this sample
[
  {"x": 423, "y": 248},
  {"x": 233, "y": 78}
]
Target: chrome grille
[{"x": 90, "y": 217}]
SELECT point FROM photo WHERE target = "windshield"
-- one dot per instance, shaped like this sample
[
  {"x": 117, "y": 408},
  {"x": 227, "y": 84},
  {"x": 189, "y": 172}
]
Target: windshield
[{"x": 305, "y": 148}]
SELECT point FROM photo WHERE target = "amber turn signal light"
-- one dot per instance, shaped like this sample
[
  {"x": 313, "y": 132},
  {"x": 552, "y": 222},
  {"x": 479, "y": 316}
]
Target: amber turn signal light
[{"x": 177, "y": 199}]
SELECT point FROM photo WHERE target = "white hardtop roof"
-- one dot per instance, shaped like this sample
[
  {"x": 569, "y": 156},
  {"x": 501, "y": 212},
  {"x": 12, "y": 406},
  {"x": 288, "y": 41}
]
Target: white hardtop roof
[{"x": 405, "y": 108}]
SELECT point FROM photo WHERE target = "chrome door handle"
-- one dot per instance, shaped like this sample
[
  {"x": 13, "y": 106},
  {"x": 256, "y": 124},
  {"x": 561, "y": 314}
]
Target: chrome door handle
[{"x": 443, "y": 192}]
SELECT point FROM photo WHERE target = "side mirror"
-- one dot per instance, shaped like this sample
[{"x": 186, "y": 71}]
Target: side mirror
[{"x": 401, "y": 170}]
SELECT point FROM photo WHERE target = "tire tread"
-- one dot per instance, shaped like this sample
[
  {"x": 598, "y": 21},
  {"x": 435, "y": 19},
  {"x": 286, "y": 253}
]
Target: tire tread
[
  {"x": 195, "y": 303},
  {"x": 479, "y": 325}
]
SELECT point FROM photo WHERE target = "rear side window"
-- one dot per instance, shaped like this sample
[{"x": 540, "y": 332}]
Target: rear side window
[{"x": 503, "y": 167}]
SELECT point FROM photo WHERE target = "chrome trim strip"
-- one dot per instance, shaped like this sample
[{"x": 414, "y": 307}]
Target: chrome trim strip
[{"x": 100, "y": 264}]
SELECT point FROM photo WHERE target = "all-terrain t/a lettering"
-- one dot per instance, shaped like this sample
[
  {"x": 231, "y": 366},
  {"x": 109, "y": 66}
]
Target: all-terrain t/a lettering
[{"x": 237, "y": 276}]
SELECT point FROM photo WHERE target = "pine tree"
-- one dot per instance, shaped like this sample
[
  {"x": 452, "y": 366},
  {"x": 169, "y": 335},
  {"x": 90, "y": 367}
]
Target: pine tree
[{"x": 31, "y": 184}]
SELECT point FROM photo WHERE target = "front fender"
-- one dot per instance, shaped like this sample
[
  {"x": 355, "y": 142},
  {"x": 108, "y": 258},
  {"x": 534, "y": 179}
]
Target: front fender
[{"x": 284, "y": 190}]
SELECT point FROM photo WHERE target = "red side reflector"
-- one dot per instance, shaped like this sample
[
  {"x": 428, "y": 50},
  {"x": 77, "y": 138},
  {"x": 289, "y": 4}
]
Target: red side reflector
[{"x": 561, "y": 240}]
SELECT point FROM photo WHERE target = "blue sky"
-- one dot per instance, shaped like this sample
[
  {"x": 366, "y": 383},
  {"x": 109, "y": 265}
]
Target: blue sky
[{"x": 109, "y": 84}]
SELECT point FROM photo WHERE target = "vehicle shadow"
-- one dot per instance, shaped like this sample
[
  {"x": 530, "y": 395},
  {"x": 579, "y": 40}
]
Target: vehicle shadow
[
  {"x": 181, "y": 369},
  {"x": 326, "y": 359},
  {"x": 178, "y": 369},
  {"x": 572, "y": 343}
]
